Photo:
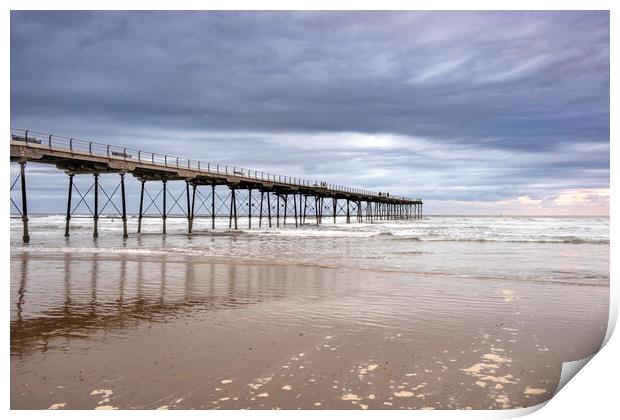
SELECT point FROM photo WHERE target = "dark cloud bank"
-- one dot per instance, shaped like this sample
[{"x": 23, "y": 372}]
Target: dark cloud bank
[{"x": 479, "y": 107}]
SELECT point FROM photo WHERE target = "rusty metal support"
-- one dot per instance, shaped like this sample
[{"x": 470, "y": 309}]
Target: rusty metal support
[{"x": 69, "y": 194}]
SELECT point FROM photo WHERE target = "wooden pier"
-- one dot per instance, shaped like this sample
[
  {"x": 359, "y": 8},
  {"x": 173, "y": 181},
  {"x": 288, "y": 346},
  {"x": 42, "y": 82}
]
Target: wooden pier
[{"x": 265, "y": 196}]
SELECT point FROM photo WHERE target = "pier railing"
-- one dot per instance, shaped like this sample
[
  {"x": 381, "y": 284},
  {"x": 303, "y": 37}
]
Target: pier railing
[{"x": 92, "y": 148}]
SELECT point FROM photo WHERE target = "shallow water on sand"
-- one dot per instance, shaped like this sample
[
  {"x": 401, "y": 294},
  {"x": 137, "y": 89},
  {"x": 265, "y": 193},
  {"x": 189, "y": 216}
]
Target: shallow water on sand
[{"x": 391, "y": 315}]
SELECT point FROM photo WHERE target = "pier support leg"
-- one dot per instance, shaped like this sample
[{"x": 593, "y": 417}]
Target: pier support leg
[
  {"x": 230, "y": 209},
  {"x": 278, "y": 211},
  {"x": 335, "y": 208},
  {"x": 295, "y": 206},
  {"x": 260, "y": 214},
  {"x": 233, "y": 209},
  {"x": 189, "y": 207},
  {"x": 212, "y": 206},
  {"x": 191, "y": 219},
  {"x": 316, "y": 210},
  {"x": 269, "y": 208},
  {"x": 250, "y": 208},
  {"x": 305, "y": 206},
  {"x": 164, "y": 214},
  {"x": 124, "y": 206},
  {"x": 141, "y": 206},
  {"x": 22, "y": 175},
  {"x": 360, "y": 212},
  {"x": 348, "y": 212},
  {"x": 68, "y": 218},
  {"x": 96, "y": 211}
]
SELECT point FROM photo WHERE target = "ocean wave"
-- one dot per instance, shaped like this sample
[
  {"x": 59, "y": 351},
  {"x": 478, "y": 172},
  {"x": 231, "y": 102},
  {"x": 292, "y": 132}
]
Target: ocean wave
[
  {"x": 449, "y": 229},
  {"x": 569, "y": 240}
]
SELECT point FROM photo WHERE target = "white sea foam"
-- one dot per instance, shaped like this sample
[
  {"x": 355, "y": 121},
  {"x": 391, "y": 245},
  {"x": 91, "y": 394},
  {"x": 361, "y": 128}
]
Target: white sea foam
[{"x": 477, "y": 247}]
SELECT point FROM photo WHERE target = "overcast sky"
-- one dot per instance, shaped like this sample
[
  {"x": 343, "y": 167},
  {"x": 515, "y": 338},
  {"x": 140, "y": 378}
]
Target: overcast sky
[{"x": 475, "y": 112}]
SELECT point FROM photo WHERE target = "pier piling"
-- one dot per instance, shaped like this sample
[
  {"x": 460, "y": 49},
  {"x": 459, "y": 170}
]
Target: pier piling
[
  {"x": 26, "y": 234},
  {"x": 69, "y": 194},
  {"x": 96, "y": 207},
  {"x": 124, "y": 206}
]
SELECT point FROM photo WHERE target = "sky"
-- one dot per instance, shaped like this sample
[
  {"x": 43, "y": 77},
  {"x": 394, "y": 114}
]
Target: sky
[{"x": 474, "y": 112}]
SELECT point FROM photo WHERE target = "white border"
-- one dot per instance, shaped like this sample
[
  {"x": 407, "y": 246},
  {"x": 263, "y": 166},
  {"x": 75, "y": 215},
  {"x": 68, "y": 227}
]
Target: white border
[{"x": 593, "y": 394}]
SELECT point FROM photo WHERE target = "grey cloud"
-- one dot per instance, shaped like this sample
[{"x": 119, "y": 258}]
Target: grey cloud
[{"x": 474, "y": 85}]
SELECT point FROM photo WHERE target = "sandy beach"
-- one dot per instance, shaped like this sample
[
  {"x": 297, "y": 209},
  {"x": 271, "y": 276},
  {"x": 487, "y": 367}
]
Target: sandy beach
[{"x": 136, "y": 331}]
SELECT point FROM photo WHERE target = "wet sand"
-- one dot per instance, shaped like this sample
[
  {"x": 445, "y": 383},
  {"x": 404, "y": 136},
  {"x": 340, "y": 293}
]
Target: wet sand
[{"x": 134, "y": 331}]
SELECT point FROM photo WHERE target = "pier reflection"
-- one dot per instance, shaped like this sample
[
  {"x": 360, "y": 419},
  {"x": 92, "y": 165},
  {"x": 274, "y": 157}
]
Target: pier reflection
[{"x": 69, "y": 296}]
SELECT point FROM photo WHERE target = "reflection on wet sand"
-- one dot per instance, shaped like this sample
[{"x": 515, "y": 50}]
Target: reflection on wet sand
[
  {"x": 120, "y": 330},
  {"x": 153, "y": 295}
]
